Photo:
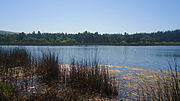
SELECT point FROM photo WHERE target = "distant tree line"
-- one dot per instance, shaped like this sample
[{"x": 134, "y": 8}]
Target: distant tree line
[{"x": 162, "y": 37}]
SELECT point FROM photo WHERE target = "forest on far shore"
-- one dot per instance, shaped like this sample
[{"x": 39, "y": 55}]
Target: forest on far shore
[{"x": 88, "y": 38}]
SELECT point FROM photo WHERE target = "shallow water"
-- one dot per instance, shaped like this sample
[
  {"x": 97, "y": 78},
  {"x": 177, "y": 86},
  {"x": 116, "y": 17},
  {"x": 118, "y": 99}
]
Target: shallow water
[{"x": 148, "y": 57}]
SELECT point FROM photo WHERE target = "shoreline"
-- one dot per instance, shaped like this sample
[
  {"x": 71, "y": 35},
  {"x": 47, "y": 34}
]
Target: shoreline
[{"x": 103, "y": 44}]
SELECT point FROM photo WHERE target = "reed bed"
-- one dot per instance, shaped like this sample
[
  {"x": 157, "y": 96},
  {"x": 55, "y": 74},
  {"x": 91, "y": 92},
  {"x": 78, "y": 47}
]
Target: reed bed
[{"x": 25, "y": 78}]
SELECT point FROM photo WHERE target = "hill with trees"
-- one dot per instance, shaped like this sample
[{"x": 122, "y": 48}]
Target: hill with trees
[
  {"x": 88, "y": 38},
  {"x": 6, "y": 32}
]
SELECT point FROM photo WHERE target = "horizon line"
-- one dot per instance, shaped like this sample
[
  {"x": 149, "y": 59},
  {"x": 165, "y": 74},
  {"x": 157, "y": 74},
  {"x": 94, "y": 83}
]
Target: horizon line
[{"x": 90, "y": 32}]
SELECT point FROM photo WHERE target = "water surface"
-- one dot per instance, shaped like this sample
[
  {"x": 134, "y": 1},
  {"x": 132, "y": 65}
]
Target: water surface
[{"x": 148, "y": 57}]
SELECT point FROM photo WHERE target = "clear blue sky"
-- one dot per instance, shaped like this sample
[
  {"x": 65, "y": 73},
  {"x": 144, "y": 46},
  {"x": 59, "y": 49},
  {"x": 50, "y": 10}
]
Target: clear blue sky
[{"x": 104, "y": 16}]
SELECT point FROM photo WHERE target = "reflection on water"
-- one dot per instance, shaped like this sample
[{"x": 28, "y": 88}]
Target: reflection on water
[{"x": 151, "y": 57}]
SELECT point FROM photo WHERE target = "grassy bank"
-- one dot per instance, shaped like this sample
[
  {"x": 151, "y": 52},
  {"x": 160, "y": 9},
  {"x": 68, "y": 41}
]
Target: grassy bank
[{"x": 113, "y": 44}]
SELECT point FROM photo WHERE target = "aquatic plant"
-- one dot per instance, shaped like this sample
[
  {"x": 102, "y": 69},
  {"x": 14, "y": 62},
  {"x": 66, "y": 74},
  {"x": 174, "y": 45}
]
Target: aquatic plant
[{"x": 165, "y": 88}]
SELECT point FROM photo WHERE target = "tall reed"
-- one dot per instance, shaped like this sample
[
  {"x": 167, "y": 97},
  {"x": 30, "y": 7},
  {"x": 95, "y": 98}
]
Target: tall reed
[
  {"x": 48, "y": 68},
  {"x": 92, "y": 78}
]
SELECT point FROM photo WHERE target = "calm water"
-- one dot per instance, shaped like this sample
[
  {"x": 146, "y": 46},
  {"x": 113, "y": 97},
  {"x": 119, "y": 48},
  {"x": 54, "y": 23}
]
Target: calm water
[{"x": 150, "y": 57}]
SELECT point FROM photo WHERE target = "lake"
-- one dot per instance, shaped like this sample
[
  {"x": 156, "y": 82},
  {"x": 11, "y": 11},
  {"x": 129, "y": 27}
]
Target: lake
[{"x": 148, "y": 57}]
